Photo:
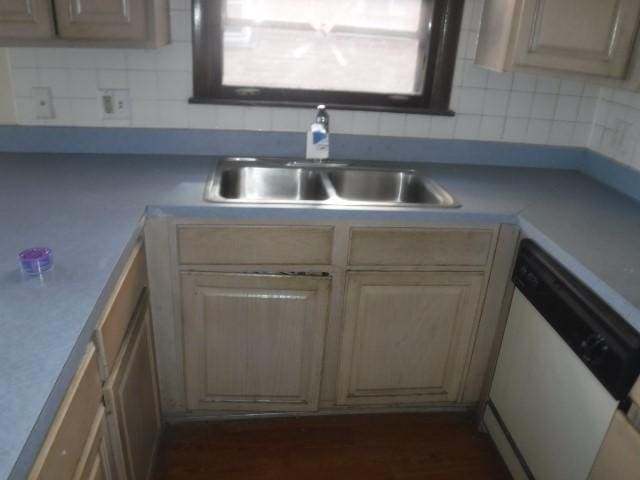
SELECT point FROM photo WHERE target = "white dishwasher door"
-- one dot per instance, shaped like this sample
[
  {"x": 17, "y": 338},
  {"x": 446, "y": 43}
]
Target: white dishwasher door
[{"x": 552, "y": 406}]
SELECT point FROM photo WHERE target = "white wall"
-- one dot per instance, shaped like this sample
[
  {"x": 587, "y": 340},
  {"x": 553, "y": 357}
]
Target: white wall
[
  {"x": 7, "y": 109},
  {"x": 491, "y": 106}
]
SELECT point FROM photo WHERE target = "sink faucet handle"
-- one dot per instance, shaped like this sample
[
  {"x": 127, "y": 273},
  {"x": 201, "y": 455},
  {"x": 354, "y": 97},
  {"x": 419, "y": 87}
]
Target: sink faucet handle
[{"x": 322, "y": 116}]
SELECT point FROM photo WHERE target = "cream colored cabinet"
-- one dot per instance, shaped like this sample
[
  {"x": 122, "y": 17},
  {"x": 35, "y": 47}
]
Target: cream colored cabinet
[
  {"x": 117, "y": 23},
  {"x": 584, "y": 36},
  {"x": 253, "y": 342},
  {"x": 619, "y": 455},
  {"x": 67, "y": 447},
  {"x": 26, "y": 19},
  {"x": 407, "y": 336},
  {"x": 109, "y": 424},
  {"x": 100, "y": 462},
  {"x": 131, "y": 396}
]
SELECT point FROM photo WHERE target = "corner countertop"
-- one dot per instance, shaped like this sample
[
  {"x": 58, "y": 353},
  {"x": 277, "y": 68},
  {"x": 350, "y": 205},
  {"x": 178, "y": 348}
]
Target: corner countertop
[{"x": 90, "y": 209}]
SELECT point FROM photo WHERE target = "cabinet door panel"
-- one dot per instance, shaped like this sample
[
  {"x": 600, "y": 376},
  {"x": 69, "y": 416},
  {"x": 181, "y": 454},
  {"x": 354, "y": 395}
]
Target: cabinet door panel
[
  {"x": 601, "y": 39},
  {"x": 101, "y": 19},
  {"x": 253, "y": 342},
  {"x": 26, "y": 19},
  {"x": 407, "y": 336},
  {"x": 132, "y": 396},
  {"x": 64, "y": 446},
  {"x": 99, "y": 462}
]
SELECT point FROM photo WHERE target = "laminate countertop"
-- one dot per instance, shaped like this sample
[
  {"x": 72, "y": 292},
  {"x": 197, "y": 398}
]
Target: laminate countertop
[{"x": 91, "y": 208}]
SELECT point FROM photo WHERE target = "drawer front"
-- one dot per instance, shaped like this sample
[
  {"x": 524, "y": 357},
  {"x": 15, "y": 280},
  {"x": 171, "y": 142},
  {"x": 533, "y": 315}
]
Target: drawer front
[
  {"x": 63, "y": 447},
  {"x": 254, "y": 245},
  {"x": 112, "y": 327},
  {"x": 409, "y": 246}
]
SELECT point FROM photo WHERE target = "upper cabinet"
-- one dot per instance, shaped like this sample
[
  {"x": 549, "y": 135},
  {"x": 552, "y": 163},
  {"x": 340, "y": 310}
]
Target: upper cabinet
[
  {"x": 582, "y": 36},
  {"x": 26, "y": 19},
  {"x": 116, "y": 23}
]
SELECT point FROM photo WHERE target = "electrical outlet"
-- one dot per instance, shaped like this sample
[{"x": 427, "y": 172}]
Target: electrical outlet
[
  {"x": 43, "y": 102},
  {"x": 115, "y": 104}
]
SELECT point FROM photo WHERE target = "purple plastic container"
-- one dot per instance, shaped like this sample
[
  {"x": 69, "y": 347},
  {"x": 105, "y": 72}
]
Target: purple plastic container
[{"x": 35, "y": 260}]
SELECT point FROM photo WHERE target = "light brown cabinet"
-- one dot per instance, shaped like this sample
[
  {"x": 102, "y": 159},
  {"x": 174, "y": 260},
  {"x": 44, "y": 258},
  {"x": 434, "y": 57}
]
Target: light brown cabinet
[
  {"x": 100, "y": 461},
  {"x": 108, "y": 424},
  {"x": 582, "y": 36},
  {"x": 619, "y": 455},
  {"x": 132, "y": 400},
  {"x": 253, "y": 342},
  {"x": 407, "y": 336},
  {"x": 26, "y": 19},
  {"x": 65, "y": 451},
  {"x": 365, "y": 315},
  {"x": 117, "y": 23}
]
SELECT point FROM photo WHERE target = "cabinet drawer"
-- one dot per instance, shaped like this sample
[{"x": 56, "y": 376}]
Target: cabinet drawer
[
  {"x": 113, "y": 325},
  {"x": 254, "y": 245},
  {"x": 63, "y": 447},
  {"x": 412, "y": 246}
]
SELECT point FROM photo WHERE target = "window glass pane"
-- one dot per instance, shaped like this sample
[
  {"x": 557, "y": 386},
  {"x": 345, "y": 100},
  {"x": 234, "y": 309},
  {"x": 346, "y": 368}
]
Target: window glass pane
[{"x": 375, "y": 46}]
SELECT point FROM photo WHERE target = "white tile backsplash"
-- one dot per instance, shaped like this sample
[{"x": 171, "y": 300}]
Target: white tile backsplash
[
  {"x": 515, "y": 107},
  {"x": 544, "y": 106}
]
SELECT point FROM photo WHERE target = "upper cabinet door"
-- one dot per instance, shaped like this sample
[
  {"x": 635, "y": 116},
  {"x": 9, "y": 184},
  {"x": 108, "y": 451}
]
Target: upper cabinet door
[
  {"x": 590, "y": 36},
  {"x": 101, "y": 19},
  {"x": 582, "y": 36},
  {"x": 26, "y": 19}
]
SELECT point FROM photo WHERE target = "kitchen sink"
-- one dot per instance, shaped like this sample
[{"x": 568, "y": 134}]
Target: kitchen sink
[
  {"x": 265, "y": 184},
  {"x": 387, "y": 186},
  {"x": 357, "y": 184}
]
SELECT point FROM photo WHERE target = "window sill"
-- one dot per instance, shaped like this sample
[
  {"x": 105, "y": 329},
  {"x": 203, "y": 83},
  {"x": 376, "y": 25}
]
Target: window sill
[{"x": 369, "y": 108}]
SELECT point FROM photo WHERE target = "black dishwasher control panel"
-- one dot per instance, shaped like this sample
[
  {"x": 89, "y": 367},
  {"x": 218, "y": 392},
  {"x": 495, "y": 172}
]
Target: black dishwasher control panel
[{"x": 603, "y": 340}]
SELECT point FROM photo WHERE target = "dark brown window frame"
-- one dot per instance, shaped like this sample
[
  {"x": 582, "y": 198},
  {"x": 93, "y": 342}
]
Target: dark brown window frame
[{"x": 435, "y": 98}]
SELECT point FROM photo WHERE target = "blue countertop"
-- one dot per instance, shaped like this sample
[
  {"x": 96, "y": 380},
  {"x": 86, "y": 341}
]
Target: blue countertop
[{"x": 89, "y": 209}]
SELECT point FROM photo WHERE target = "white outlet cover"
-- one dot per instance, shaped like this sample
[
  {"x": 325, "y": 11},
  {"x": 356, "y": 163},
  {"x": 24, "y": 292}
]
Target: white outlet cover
[
  {"x": 43, "y": 102},
  {"x": 115, "y": 104}
]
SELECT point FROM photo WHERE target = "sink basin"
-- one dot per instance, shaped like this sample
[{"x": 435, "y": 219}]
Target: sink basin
[
  {"x": 387, "y": 186},
  {"x": 365, "y": 185},
  {"x": 272, "y": 184}
]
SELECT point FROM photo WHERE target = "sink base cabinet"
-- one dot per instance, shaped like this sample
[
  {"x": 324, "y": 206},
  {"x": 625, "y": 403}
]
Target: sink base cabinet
[
  {"x": 366, "y": 317},
  {"x": 407, "y": 336},
  {"x": 253, "y": 342}
]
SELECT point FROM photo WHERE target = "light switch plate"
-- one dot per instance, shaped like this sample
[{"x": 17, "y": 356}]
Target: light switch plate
[
  {"x": 43, "y": 102},
  {"x": 115, "y": 104}
]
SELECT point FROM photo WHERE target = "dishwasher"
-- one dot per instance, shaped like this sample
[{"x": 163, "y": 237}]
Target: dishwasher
[{"x": 566, "y": 364}]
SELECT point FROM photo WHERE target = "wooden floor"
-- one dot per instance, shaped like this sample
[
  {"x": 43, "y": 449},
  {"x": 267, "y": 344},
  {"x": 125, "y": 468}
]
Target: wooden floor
[{"x": 434, "y": 446}]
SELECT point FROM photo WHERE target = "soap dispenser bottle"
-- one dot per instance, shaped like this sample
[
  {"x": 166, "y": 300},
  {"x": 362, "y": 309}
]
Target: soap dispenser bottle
[{"x": 318, "y": 136}]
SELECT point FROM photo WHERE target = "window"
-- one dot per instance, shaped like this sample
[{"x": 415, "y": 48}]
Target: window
[{"x": 364, "y": 54}]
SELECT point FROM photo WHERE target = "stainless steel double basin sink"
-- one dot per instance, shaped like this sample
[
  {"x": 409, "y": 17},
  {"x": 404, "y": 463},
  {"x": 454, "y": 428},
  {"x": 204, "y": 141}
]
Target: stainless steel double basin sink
[{"x": 267, "y": 181}]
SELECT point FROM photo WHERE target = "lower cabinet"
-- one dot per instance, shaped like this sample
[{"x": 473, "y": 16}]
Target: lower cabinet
[
  {"x": 65, "y": 451},
  {"x": 407, "y": 336},
  {"x": 253, "y": 341},
  {"x": 132, "y": 400},
  {"x": 100, "y": 461}
]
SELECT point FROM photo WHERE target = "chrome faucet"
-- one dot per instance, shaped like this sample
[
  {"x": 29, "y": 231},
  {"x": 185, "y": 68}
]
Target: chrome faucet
[
  {"x": 322, "y": 117},
  {"x": 318, "y": 136}
]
